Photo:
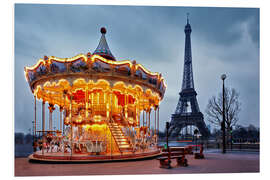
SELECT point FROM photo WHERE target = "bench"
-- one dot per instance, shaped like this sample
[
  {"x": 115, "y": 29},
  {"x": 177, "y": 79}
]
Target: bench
[{"x": 177, "y": 153}]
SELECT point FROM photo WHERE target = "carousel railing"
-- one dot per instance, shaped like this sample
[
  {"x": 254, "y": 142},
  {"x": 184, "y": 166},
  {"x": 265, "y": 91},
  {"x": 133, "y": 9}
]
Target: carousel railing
[
  {"x": 109, "y": 124},
  {"x": 130, "y": 137},
  {"x": 130, "y": 134}
]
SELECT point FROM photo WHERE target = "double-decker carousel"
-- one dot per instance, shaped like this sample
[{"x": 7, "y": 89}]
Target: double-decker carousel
[{"x": 105, "y": 107}]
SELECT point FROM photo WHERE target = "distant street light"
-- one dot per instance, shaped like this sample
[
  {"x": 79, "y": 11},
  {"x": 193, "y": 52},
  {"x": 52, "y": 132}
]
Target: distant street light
[{"x": 223, "y": 77}]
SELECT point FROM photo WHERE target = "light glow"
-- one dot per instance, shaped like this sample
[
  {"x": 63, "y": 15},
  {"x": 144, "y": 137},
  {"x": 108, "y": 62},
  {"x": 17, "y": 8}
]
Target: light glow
[
  {"x": 40, "y": 61},
  {"x": 97, "y": 118},
  {"x": 93, "y": 59},
  {"x": 146, "y": 70}
]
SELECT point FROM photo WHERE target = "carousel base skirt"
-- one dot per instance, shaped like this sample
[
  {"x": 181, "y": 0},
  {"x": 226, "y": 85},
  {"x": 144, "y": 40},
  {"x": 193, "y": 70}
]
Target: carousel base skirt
[{"x": 77, "y": 158}]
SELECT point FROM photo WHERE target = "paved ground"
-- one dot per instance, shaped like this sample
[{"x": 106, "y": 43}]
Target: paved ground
[{"x": 232, "y": 162}]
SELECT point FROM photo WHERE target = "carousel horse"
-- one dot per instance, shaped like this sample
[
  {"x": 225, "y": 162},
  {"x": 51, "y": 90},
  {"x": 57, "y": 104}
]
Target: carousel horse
[
  {"x": 55, "y": 148},
  {"x": 89, "y": 146}
]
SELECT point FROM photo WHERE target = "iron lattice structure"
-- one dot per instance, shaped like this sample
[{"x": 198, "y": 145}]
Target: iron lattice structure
[{"x": 182, "y": 118}]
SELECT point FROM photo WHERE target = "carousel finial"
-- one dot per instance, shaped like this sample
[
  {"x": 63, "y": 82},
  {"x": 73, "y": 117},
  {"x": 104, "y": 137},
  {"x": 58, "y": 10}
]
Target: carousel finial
[{"x": 103, "y": 30}]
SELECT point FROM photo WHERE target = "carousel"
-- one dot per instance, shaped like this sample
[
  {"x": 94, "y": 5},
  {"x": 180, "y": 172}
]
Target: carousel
[{"x": 104, "y": 107}]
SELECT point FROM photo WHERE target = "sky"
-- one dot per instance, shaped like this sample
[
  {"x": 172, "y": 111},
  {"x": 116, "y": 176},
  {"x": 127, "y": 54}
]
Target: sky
[{"x": 223, "y": 40}]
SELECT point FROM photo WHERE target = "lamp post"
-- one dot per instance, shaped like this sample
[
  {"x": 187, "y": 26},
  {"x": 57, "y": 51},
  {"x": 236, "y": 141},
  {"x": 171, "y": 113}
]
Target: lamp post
[
  {"x": 167, "y": 141},
  {"x": 196, "y": 131},
  {"x": 223, "y": 77},
  {"x": 167, "y": 134}
]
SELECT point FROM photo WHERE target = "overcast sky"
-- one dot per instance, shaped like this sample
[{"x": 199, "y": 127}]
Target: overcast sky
[{"x": 223, "y": 40}]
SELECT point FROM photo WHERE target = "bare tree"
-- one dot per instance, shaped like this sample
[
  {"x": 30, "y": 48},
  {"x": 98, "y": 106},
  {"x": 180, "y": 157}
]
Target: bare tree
[{"x": 232, "y": 108}]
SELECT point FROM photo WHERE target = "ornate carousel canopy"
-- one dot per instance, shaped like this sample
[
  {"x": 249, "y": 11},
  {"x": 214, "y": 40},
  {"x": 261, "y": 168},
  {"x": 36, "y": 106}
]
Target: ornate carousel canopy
[{"x": 95, "y": 79}]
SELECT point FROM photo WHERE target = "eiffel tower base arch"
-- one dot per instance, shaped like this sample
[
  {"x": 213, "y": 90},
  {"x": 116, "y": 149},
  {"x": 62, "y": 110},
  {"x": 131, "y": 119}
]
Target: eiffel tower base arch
[{"x": 180, "y": 121}]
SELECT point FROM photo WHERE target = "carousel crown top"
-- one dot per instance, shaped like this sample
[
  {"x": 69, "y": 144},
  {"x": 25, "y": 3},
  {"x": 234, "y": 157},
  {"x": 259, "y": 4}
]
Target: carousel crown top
[
  {"x": 51, "y": 77},
  {"x": 103, "y": 48}
]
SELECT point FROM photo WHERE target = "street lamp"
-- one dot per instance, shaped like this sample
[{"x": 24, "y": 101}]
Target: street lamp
[
  {"x": 223, "y": 77},
  {"x": 196, "y": 131},
  {"x": 168, "y": 149},
  {"x": 167, "y": 134}
]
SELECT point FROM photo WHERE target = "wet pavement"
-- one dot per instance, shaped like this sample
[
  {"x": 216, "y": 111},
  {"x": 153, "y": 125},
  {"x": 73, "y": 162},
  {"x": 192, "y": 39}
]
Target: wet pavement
[{"x": 214, "y": 162}]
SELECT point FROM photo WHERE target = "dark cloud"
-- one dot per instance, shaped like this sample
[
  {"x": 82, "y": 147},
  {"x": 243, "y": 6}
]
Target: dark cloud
[{"x": 216, "y": 25}]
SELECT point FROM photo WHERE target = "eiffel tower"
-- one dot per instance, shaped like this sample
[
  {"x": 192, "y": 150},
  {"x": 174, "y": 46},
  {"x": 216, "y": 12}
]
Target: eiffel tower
[{"x": 182, "y": 117}]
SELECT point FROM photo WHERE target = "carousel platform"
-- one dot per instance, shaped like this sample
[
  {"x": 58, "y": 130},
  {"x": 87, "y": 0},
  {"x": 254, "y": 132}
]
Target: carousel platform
[{"x": 60, "y": 157}]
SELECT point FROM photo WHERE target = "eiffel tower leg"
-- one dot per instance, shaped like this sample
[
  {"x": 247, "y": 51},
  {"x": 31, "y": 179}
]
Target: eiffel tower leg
[{"x": 174, "y": 128}]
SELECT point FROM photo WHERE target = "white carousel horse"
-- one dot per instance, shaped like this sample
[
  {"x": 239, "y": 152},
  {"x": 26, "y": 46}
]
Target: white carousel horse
[
  {"x": 68, "y": 149},
  {"x": 55, "y": 148},
  {"x": 89, "y": 146},
  {"x": 62, "y": 147}
]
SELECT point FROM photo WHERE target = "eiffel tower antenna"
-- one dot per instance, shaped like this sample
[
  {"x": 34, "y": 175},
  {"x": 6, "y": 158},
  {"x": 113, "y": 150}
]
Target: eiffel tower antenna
[{"x": 182, "y": 118}]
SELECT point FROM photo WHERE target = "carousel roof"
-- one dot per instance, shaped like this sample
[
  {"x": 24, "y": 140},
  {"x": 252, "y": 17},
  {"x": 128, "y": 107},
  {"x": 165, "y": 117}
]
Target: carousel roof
[
  {"x": 103, "y": 48},
  {"x": 101, "y": 65}
]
